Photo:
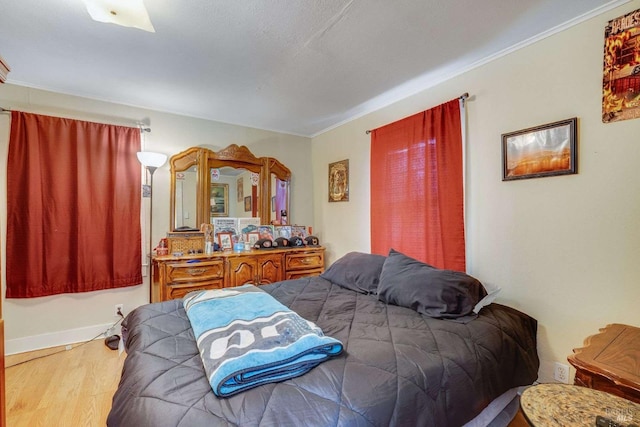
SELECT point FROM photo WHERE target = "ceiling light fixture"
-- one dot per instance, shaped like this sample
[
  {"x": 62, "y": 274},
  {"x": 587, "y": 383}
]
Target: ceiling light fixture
[{"x": 128, "y": 13}]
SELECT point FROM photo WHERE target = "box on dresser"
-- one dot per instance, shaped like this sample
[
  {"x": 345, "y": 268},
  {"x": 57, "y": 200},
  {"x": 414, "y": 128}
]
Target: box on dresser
[{"x": 185, "y": 242}]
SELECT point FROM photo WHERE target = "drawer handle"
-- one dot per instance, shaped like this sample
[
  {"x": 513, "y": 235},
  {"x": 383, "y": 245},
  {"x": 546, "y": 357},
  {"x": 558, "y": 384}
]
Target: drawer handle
[
  {"x": 196, "y": 271},
  {"x": 307, "y": 261}
]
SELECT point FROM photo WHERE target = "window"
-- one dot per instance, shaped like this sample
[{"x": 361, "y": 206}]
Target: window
[
  {"x": 73, "y": 206},
  {"x": 417, "y": 200}
]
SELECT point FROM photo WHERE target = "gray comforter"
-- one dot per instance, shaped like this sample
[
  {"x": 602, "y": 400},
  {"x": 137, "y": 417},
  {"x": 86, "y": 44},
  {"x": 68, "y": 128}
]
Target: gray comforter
[{"x": 399, "y": 368}]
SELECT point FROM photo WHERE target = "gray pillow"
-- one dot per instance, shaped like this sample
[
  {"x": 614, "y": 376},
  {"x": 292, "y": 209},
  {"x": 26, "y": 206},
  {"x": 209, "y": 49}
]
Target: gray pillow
[
  {"x": 446, "y": 294},
  {"x": 357, "y": 271}
]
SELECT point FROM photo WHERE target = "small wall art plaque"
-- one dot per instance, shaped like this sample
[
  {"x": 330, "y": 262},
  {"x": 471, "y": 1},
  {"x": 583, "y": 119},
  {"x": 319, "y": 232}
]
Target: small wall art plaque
[{"x": 339, "y": 181}]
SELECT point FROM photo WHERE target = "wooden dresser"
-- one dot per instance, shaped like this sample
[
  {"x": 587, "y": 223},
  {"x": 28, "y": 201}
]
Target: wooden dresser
[
  {"x": 173, "y": 277},
  {"x": 610, "y": 361}
]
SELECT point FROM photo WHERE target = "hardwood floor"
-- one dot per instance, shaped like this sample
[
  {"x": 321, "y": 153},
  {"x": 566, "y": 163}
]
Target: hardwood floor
[{"x": 70, "y": 388}]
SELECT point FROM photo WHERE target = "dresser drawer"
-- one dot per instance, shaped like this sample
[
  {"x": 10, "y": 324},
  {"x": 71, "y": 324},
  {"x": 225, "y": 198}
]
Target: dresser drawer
[
  {"x": 174, "y": 291},
  {"x": 298, "y": 274},
  {"x": 183, "y": 272},
  {"x": 304, "y": 261}
]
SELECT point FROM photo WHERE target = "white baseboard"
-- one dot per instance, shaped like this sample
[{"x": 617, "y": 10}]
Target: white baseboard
[{"x": 54, "y": 339}]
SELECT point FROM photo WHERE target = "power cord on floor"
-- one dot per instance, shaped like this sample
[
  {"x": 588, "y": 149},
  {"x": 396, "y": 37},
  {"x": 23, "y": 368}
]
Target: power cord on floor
[
  {"x": 72, "y": 348},
  {"x": 113, "y": 341}
]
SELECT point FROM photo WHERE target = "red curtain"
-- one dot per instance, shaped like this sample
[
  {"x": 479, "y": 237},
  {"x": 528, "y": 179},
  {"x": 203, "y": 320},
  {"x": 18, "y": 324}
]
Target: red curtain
[
  {"x": 417, "y": 202},
  {"x": 73, "y": 206}
]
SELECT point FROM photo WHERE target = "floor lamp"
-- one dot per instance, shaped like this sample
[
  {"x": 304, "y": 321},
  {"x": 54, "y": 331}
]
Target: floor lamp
[{"x": 151, "y": 161}]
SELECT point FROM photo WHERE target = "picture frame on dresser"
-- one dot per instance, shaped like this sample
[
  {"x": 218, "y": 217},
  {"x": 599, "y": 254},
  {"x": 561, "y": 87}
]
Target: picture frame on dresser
[
  {"x": 225, "y": 240},
  {"x": 253, "y": 237}
]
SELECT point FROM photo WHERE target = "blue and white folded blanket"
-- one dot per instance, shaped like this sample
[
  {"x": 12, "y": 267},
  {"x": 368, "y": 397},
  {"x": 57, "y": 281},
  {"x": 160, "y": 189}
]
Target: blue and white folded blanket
[{"x": 247, "y": 338}]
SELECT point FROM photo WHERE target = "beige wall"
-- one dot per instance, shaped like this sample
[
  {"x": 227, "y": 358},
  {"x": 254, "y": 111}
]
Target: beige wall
[
  {"x": 48, "y": 321},
  {"x": 566, "y": 249}
]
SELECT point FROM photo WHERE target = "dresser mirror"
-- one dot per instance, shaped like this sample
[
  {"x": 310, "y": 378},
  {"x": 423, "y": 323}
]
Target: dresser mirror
[
  {"x": 231, "y": 182},
  {"x": 186, "y": 186}
]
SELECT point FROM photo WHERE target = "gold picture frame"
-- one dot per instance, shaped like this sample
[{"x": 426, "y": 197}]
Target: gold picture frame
[
  {"x": 219, "y": 196},
  {"x": 339, "y": 181}
]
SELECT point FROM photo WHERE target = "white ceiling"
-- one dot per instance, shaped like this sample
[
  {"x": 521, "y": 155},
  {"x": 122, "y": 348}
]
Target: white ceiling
[{"x": 294, "y": 66}]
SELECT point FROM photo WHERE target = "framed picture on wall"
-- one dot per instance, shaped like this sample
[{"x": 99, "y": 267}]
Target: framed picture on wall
[
  {"x": 219, "y": 199},
  {"x": 240, "y": 189},
  {"x": 247, "y": 203},
  {"x": 545, "y": 150},
  {"x": 339, "y": 181}
]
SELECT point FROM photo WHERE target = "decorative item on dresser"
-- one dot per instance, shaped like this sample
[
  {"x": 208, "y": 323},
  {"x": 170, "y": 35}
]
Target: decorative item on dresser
[
  {"x": 174, "y": 276},
  {"x": 610, "y": 361},
  {"x": 186, "y": 242}
]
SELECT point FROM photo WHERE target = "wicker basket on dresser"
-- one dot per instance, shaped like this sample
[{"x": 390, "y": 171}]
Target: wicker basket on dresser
[{"x": 186, "y": 243}]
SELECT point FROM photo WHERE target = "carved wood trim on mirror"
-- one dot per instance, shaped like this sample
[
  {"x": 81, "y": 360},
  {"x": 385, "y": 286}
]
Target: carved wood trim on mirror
[{"x": 191, "y": 179}]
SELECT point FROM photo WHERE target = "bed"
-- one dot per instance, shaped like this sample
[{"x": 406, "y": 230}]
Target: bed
[{"x": 399, "y": 367}]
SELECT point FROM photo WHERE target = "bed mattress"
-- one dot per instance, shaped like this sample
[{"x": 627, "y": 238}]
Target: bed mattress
[{"x": 398, "y": 368}]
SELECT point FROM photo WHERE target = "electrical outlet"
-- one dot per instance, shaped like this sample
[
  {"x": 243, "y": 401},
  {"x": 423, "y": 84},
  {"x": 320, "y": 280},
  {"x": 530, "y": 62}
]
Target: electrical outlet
[
  {"x": 119, "y": 307},
  {"x": 561, "y": 372}
]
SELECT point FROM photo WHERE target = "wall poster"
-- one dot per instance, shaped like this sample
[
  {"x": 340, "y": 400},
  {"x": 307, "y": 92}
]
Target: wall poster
[{"x": 621, "y": 74}]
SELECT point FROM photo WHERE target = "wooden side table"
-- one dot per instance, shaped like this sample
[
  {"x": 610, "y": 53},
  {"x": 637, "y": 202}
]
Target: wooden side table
[
  {"x": 567, "y": 405},
  {"x": 610, "y": 361}
]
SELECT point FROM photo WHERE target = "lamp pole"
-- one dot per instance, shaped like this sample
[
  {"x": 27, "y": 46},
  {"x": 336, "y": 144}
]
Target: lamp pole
[
  {"x": 151, "y": 161},
  {"x": 151, "y": 170}
]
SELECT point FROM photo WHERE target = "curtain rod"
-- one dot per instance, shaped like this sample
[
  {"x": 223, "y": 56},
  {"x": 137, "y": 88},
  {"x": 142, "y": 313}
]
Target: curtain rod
[
  {"x": 462, "y": 98},
  {"x": 141, "y": 126}
]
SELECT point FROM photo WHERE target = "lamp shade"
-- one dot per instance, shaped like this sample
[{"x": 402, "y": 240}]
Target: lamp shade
[
  {"x": 151, "y": 159},
  {"x": 128, "y": 13}
]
